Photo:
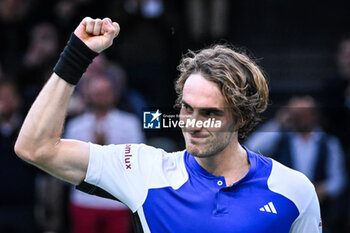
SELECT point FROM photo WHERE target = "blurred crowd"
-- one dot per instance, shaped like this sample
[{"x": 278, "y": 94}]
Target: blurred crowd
[{"x": 309, "y": 131}]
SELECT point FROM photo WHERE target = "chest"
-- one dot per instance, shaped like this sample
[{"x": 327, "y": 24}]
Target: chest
[{"x": 197, "y": 207}]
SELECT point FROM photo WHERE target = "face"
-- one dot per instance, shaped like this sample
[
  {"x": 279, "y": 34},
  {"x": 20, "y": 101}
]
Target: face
[
  {"x": 202, "y": 100},
  {"x": 303, "y": 114},
  {"x": 102, "y": 96}
]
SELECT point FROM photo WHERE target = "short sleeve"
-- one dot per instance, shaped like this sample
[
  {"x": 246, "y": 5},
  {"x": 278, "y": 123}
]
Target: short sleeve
[
  {"x": 297, "y": 187},
  {"x": 123, "y": 171},
  {"x": 310, "y": 220}
]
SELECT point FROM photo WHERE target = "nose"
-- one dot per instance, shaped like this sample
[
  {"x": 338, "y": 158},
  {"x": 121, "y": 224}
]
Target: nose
[{"x": 193, "y": 122}]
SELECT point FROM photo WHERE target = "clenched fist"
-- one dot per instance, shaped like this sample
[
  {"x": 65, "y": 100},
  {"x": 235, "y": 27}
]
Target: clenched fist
[{"x": 97, "y": 34}]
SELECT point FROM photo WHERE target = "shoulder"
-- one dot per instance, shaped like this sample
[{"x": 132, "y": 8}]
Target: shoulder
[
  {"x": 140, "y": 155},
  {"x": 163, "y": 168},
  {"x": 146, "y": 150},
  {"x": 156, "y": 167},
  {"x": 128, "y": 171},
  {"x": 292, "y": 184}
]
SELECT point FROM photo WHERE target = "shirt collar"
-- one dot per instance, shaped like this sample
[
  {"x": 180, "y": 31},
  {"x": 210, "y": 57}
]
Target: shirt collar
[{"x": 197, "y": 169}]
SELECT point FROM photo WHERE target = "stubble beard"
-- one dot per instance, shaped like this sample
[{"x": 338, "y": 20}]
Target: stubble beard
[{"x": 210, "y": 147}]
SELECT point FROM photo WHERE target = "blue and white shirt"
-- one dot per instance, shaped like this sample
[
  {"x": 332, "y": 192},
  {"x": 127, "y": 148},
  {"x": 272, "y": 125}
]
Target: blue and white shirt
[{"x": 171, "y": 192}]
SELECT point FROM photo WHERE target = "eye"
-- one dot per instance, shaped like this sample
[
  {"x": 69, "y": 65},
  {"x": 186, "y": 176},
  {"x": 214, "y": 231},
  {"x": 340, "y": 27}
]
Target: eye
[
  {"x": 210, "y": 113},
  {"x": 186, "y": 107}
]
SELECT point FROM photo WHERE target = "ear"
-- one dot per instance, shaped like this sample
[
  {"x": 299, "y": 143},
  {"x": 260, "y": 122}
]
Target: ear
[
  {"x": 241, "y": 123},
  {"x": 237, "y": 124}
]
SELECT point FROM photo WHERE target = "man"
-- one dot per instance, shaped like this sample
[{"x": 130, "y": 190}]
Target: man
[{"x": 216, "y": 185}]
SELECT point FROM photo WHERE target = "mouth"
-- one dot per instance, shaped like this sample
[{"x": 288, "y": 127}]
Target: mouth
[
  {"x": 198, "y": 136},
  {"x": 194, "y": 137}
]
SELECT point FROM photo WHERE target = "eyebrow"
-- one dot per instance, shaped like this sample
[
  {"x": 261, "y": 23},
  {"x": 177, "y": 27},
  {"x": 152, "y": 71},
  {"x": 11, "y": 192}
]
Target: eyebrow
[{"x": 214, "y": 110}]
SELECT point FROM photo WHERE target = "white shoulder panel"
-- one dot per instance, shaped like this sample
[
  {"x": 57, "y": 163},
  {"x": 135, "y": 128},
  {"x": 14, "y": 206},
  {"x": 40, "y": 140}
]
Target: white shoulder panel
[
  {"x": 310, "y": 220},
  {"x": 292, "y": 184},
  {"x": 129, "y": 171},
  {"x": 170, "y": 171}
]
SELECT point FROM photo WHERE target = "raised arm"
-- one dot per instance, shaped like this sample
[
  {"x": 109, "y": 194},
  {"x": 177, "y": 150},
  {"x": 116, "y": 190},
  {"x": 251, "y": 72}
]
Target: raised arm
[{"x": 39, "y": 141}]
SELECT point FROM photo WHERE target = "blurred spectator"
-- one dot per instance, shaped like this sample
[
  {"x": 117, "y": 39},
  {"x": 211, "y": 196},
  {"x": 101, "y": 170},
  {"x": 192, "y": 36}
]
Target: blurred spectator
[
  {"x": 67, "y": 13},
  {"x": 13, "y": 10},
  {"x": 50, "y": 210},
  {"x": 130, "y": 99},
  {"x": 103, "y": 124},
  {"x": 18, "y": 179},
  {"x": 208, "y": 19},
  {"x": 306, "y": 148},
  {"x": 80, "y": 98},
  {"x": 38, "y": 61},
  {"x": 14, "y": 23},
  {"x": 144, "y": 46},
  {"x": 42, "y": 47},
  {"x": 148, "y": 8},
  {"x": 336, "y": 93}
]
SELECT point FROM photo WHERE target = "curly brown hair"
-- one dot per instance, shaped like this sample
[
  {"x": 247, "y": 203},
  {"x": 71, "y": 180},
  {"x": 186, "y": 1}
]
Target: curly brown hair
[{"x": 241, "y": 81}]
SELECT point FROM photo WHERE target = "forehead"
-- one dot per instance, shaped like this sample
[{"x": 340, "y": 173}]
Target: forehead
[
  {"x": 100, "y": 82},
  {"x": 199, "y": 92},
  {"x": 302, "y": 106},
  {"x": 302, "y": 103}
]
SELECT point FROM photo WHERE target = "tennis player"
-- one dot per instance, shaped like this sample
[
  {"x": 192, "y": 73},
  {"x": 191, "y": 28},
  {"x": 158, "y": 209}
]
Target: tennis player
[{"x": 215, "y": 185}]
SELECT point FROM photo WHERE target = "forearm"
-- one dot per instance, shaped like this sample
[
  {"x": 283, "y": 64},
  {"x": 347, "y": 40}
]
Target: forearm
[{"x": 42, "y": 128}]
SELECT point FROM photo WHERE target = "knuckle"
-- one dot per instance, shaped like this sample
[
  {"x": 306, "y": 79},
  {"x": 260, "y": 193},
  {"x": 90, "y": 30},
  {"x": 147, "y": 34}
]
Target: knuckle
[
  {"x": 116, "y": 26},
  {"x": 86, "y": 19},
  {"x": 89, "y": 22}
]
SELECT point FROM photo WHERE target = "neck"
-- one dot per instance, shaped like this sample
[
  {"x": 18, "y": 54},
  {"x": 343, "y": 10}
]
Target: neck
[
  {"x": 101, "y": 113},
  {"x": 231, "y": 163},
  {"x": 305, "y": 135}
]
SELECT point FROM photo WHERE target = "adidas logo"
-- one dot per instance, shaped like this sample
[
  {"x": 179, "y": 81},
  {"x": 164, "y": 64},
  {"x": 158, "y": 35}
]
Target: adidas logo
[{"x": 269, "y": 208}]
